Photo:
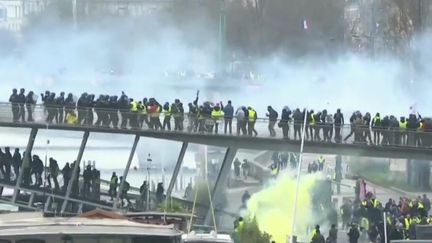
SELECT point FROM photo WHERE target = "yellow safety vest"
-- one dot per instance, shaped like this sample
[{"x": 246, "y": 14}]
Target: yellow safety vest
[
  {"x": 312, "y": 122},
  {"x": 376, "y": 203},
  {"x": 134, "y": 106},
  {"x": 407, "y": 223},
  {"x": 168, "y": 112},
  {"x": 376, "y": 119},
  {"x": 364, "y": 223},
  {"x": 142, "y": 108},
  {"x": 240, "y": 225},
  {"x": 251, "y": 113},
  {"x": 403, "y": 125},
  {"x": 420, "y": 205},
  {"x": 71, "y": 118},
  {"x": 275, "y": 171},
  {"x": 217, "y": 114},
  {"x": 321, "y": 160}
]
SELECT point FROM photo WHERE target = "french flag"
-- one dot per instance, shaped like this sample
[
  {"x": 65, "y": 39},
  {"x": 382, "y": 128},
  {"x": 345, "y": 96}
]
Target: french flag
[{"x": 305, "y": 24}]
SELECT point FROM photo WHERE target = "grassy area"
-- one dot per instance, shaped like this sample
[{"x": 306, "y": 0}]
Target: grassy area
[
  {"x": 387, "y": 180},
  {"x": 378, "y": 172}
]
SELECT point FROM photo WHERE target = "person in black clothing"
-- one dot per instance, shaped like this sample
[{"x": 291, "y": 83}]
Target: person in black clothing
[
  {"x": 338, "y": 123},
  {"x": 284, "y": 122},
  {"x": 7, "y": 162},
  {"x": 160, "y": 193},
  {"x": 412, "y": 125},
  {"x": 167, "y": 116},
  {"x": 143, "y": 195},
  {"x": 53, "y": 173},
  {"x": 30, "y": 103},
  {"x": 69, "y": 105},
  {"x": 16, "y": 162},
  {"x": 37, "y": 168},
  {"x": 298, "y": 121},
  {"x": 67, "y": 173},
  {"x": 113, "y": 114},
  {"x": 317, "y": 127},
  {"x": 50, "y": 105},
  {"x": 123, "y": 105},
  {"x": 124, "y": 192},
  {"x": 98, "y": 108},
  {"x": 60, "y": 103},
  {"x": 82, "y": 101},
  {"x": 273, "y": 116},
  {"x": 367, "y": 133},
  {"x": 21, "y": 103},
  {"x": 87, "y": 175},
  {"x": 353, "y": 234},
  {"x": 13, "y": 99}
]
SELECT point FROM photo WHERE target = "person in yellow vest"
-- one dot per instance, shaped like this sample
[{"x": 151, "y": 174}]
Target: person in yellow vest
[
  {"x": 402, "y": 128},
  {"x": 321, "y": 162},
  {"x": 133, "y": 118},
  {"x": 72, "y": 118},
  {"x": 274, "y": 170},
  {"x": 407, "y": 222},
  {"x": 167, "y": 116},
  {"x": 216, "y": 115},
  {"x": 312, "y": 122},
  {"x": 142, "y": 114},
  {"x": 252, "y": 117}
]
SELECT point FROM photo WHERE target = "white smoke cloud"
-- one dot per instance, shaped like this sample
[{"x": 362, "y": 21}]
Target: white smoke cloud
[{"x": 75, "y": 61}]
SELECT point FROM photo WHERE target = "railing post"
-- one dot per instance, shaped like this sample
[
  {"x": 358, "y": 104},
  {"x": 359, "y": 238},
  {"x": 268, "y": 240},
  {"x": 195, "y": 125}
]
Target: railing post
[
  {"x": 75, "y": 171},
  {"x": 126, "y": 171},
  {"x": 25, "y": 162},
  {"x": 177, "y": 169}
]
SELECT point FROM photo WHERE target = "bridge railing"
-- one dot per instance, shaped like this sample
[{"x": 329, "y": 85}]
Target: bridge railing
[{"x": 188, "y": 123}]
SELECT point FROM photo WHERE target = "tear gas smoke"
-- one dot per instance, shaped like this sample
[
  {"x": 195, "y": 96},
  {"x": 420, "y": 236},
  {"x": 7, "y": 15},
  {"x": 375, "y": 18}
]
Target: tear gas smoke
[
  {"x": 63, "y": 59},
  {"x": 273, "y": 206}
]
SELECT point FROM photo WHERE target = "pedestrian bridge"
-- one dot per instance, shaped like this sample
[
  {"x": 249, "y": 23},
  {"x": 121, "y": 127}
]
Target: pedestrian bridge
[{"x": 354, "y": 145}]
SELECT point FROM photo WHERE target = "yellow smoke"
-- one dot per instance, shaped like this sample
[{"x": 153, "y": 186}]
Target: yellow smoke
[{"x": 273, "y": 207}]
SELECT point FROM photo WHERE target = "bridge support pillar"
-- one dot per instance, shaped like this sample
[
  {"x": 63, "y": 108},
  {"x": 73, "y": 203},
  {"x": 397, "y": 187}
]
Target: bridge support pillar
[
  {"x": 126, "y": 171},
  {"x": 176, "y": 170},
  {"x": 222, "y": 178},
  {"x": 74, "y": 175},
  {"x": 25, "y": 163}
]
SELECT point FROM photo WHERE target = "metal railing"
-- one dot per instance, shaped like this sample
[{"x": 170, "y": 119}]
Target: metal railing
[{"x": 188, "y": 123}]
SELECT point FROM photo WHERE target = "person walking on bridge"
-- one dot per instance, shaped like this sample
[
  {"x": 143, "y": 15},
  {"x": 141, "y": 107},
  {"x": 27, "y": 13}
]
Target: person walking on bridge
[
  {"x": 30, "y": 104},
  {"x": 67, "y": 173},
  {"x": 338, "y": 119},
  {"x": 53, "y": 173},
  {"x": 252, "y": 117},
  {"x": 284, "y": 122},
  {"x": 272, "y": 116},
  {"x": 16, "y": 162},
  {"x": 216, "y": 114},
  {"x": 21, "y": 103},
  {"x": 112, "y": 192},
  {"x": 228, "y": 112},
  {"x": 13, "y": 99}
]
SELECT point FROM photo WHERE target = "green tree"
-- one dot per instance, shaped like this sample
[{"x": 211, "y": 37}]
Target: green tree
[{"x": 250, "y": 233}]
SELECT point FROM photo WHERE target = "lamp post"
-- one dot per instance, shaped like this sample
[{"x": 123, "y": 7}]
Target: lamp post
[
  {"x": 293, "y": 237},
  {"x": 222, "y": 34},
  {"x": 149, "y": 161}
]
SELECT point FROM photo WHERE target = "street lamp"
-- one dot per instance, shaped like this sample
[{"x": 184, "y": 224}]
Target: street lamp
[
  {"x": 222, "y": 33},
  {"x": 149, "y": 161}
]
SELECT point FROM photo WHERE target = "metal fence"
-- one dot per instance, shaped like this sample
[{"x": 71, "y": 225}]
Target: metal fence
[{"x": 187, "y": 123}]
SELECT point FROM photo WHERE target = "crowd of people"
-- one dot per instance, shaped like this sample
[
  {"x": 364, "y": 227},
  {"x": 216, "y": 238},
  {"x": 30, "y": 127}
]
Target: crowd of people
[
  {"x": 37, "y": 174},
  {"x": 125, "y": 112},
  {"x": 400, "y": 217}
]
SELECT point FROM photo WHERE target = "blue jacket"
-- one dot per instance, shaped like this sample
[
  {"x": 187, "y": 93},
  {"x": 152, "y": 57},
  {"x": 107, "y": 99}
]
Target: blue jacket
[{"x": 228, "y": 111}]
